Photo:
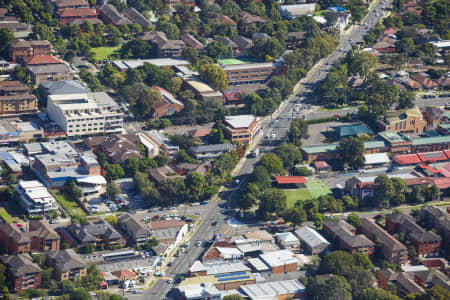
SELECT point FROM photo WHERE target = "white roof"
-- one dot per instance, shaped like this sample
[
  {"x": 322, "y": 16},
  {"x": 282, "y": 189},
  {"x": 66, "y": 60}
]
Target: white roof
[
  {"x": 398, "y": 175},
  {"x": 197, "y": 266},
  {"x": 270, "y": 290},
  {"x": 441, "y": 44},
  {"x": 97, "y": 179},
  {"x": 229, "y": 252},
  {"x": 225, "y": 267},
  {"x": 197, "y": 290},
  {"x": 30, "y": 184},
  {"x": 376, "y": 158},
  {"x": 258, "y": 264},
  {"x": 287, "y": 237},
  {"x": 320, "y": 19},
  {"x": 311, "y": 237},
  {"x": 414, "y": 268},
  {"x": 159, "y": 62},
  {"x": 279, "y": 258},
  {"x": 240, "y": 121},
  {"x": 247, "y": 66}
]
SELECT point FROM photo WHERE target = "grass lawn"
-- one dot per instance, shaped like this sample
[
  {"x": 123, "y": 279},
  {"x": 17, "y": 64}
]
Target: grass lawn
[
  {"x": 72, "y": 207},
  {"x": 314, "y": 189},
  {"x": 317, "y": 188},
  {"x": 294, "y": 195},
  {"x": 5, "y": 216},
  {"x": 104, "y": 52}
]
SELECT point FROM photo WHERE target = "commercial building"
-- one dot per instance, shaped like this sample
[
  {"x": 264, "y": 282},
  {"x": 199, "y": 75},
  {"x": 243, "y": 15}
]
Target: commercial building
[
  {"x": 199, "y": 291},
  {"x": 15, "y": 98},
  {"x": 51, "y": 72},
  {"x": 168, "y": 105},
  {"x": 67, "y": 265},
  {"x": 97, "y": 233},
  {"x": 249, "y": 73},
  {"x": 393, "y": 251},
  {"x": 215, "y": 268},
  {"x": 201, "y": 90},
  {"x": 85, "y": 114},
  {"x": 426, "y": 243},
  {"x": 296, "y": 10},
  {"x": 34, "y": 198},
  {"x": 22, "y": 271},
  {"x": 281, "y": 261},
  {"x": 211, "y": 151},
  {"x": 311, "y": 241},
  {"x": 21, "y": 48},
  {"x": 406, "y": 121},
  {"x": 287, "y": 240},
  {"x": 169, "y": 231},
  {"x": 227, "y": 281},
  {"x": 286, "y": 289},
  {"x": 125, "y": 65},
  {"x": 242, "y": 128},
  {"x": 136, "y": 232}
]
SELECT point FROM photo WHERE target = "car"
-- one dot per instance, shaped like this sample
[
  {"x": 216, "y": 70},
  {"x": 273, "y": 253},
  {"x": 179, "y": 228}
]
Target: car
[
  {"x": 444, "y": 95},
  {"x": 169, "y": 264},
  {"x": 197, "y": 213},
  {"x": 187, "y": 244},
  {"x": 158, "y": 274},
  {"x": 195, "y": 204},
  {"x": 328, "y": 216},
  {"x": 214, "y": 223},
  {"x": 132, "y": 291},
  {"x": 223, "y": 211},
  {"x": 172, "y": 208},
  {"x": 154, "y": 210},
  {"x": 204, "y": 203},
  {"x": 155, "y": 217},
  {"x": 54, "y": 222},
  {"x": 198, "y": 243},
  {"x": 170, "y": 281}
]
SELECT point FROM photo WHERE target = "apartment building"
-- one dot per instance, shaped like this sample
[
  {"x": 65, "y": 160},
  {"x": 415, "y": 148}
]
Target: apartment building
[
  {"x": 403, "y": 283},
  {"x": 62, "y": 4},
  {"x": 426, "y": 243},
  {"x": 67, "y": 264},
  {"x": 13, "y": 239},
  {"x": 393, "y": 251},
  {"x": 34, "y": 198},
  {"x": 242, "y": 128},
  {"x": 76, "y": 15},
  {"x": 168, "y": 105},
  {"x": 50, "y": 72},
  {"x": 135, "y": 16},
  {"x": 135, "y": 231},
  {"x": 97, "y": 233},
  {"x": 85, "y": 114},
  {"x": 250, "y": 73},
  {"x": 345, "y": 235},
  {"x": 22, "y": 272},
  {"x": 15, "y": 98},
  {"x": 21, "y": 48},
  {"x": 43, "y": 237}
]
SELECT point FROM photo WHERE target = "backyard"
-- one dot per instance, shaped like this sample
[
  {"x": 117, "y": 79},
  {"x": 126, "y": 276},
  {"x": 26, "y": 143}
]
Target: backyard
[
  {"x": 314, "y": 189},
  {"x": 72, "y": 207},
  {"x": 102, "y": 53}
]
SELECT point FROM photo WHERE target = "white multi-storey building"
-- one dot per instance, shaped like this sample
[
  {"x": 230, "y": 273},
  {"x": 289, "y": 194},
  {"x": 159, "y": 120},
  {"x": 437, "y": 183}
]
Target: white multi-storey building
[
  {"x": 34, "y": 198},
  {"x": 85, "y": 114}
]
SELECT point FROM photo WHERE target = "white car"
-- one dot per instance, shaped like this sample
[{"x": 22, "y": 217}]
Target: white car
[
  {"x": 170, "y": 281},
  {"x": 198, "y": 244}
]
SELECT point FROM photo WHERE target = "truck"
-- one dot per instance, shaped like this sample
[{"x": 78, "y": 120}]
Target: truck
[{"x": 254, "y": 153}]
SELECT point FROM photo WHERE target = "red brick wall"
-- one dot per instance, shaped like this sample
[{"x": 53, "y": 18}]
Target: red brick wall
[{"x": 285, "y": 268}]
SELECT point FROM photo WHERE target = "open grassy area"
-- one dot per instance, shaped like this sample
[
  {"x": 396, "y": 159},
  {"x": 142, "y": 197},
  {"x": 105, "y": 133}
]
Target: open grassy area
[
  {"x": 104, "y": 52},
  {"x": 72, "y": 207},
  {"x": 317, "y": 188},
  {"x": 295, "y": 195},
  {"x": 314, "y": 189},
  {"x": 5, "y": 216}
]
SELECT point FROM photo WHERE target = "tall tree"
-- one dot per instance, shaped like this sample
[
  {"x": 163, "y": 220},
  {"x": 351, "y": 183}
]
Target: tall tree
[
  {"x": 214, "y": 76},
  {"x": 384, "y": 191},
  {"x": 6, "y": 36},
  {"x": 273, "y": 201},
  {"x": 298, "y": 131},
  {"x": 350, "y": 151},
  {"x": 289, "y": 154},
  {"x": 272, "y": 163}
]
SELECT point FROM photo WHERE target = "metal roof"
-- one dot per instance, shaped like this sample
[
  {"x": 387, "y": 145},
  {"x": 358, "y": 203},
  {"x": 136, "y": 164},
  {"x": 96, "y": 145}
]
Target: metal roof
[
  {"x": 311, "y": 237},
  {"x": 270, "y": 290}
]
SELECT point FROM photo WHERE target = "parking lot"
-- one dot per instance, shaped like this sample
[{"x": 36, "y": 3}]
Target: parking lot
[{"x": 318, "y": 133}]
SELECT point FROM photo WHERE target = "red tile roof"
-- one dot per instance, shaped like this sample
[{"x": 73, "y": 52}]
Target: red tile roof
[
  {"x": 40, "y": 60},
  {"x": 124, "y": 275},
  {"x": 441, "y": 182},
  {"x": 232, "y": 94},
  {"x": 76, "y": 12},
  {"x": 225, "y": 19},
  {"x": 429, "y": 168},
  {"x": 433, "y": 156},
  {"x": 408, "y": 159},
  {"x": 199, "y": 132},
  {"x": 320, "y": 164},
  {"x": 290, "y": 179}
]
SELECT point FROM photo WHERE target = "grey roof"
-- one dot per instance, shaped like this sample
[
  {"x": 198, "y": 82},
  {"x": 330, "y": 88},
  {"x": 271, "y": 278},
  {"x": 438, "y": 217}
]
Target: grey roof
[
  {"x": 113, "y": 14},
  {"x": 20, "y": 264},
  {"x": 243, "y": 42},
  {"x": 87, "y": 232},
  {"x": 225, "y": 267},
  {"x": 162, "y": 173},
  {"x": 132, "y": 14},
  {"x": 270, "y": 290},
  {"x": 51, "y": 68},
  {"x": 166, "y": 233},
  {"x": 311, "y": 237},
  {"x": 213, "y": 148},
  {"x": 63, "y": 87},
  {"x": 333, "y": 225},
  {"x": 226, "y": 41},
  {"x": 132, "y": 226},
  {"x": 14, "y": 233},
  {"x": 66, "y": 260}
]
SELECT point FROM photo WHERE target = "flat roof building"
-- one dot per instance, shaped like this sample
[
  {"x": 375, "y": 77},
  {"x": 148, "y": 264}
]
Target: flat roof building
[
  {"x": 242, "y": 128},
  {"x": 34, "y": 198},
  {"x": 281, "y": 261},
  {"x": 286, "y": 289},
  {"x": 311, "y": 240}
]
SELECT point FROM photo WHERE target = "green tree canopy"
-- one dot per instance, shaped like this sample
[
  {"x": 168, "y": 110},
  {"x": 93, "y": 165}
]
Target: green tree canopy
[
  {"x": 272, "y": 163},
  {"x": 298, "y": 131},
  {"x": 214, "y": 76},
  {"x": 350, "y": 151},
  {"x": 289, "y": 154}
]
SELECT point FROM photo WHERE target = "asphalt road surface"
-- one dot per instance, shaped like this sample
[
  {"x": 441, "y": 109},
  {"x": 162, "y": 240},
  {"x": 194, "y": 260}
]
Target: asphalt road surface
[{"x": 206, "y": 230}]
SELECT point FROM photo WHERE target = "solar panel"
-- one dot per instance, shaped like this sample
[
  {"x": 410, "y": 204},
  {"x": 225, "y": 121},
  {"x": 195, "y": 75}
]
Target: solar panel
[
  {"x": 233, "y": 278},
  {"x": 433, "y": 155},
  {"x": 230, "y": 274}
]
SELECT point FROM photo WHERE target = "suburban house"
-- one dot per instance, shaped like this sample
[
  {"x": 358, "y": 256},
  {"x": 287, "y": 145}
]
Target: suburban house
[
  {"x": 424, "y": 80},
  {"x": 22, "y": 271},
  {"x": 191, "y": 41},
  {"x": 136, "y": 17},
  {"x": 34, "y": 198},
  {"x": 15, "y": 98},
  {"x": 165, "y": 47},
  {"x": 246, "y": 18},
  {"x": 225, "y": 20},
  {"x": 97, "y": 234},
  {"x": 168, "y": 105},
  {"x": 242, "y": 128},
  {"x": 426, "y": 243},
  {"x": 406, "y": 121},
  {"x": 160, "y": 174},
  {"x": 242, "y": 43},
  {"x": 67, "y": 264},
  {"x": 311, "y": 241},
  {"x": 136, "y": 232},
  {"x": 393, "y": 251},
  {"x": 21, "y": 48}
]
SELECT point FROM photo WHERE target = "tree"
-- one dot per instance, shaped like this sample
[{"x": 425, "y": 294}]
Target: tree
[
  {"x": 114, "y": 171},
  {"x": 289, "y": 154},
  {"x": 261, "y": 177},
  {"x": 384, "y": 191},
  {"x": 335, "y": 262},
  {"x": 72, "y": 191},
  {"x": 272, "y": 163},
  {"x": 302, "y": 171},
  {"x": 217, "y": 50},
  {"x": 6, "y": 36},
  {"x": 273, "y": 201},
  {"x": 87, "y": 249},
  {"x": 335, "y": 288},
  {"x": 250, "y": 197},
  {"x": 361, "y": 63},
  {"x": 363, "y": 261},
  {"x": 295, "y": 215},
  {"x": 136, "y": 48},
  {"x": 406, "y": 99},
  {"x": 111, "y": 219},
  {"x": 195, "y": 185},
  {"x": 350, "y": 151},
  {"x": 354, "y": 220},
  {"x": 282, "y": 84},
  {"x": 216, "y": 136},
  {"x": 378, "y": 294},
  {"x": 298, "y": 131},
  {"x": 401, "y": 191},
  {"x": 214, "y": 76},
  {"x": 190, "y": 54},
  {"x": 112, "y": 190},
  {"x": 80, "y": 294},
  {"x": 233, "y": 297},
  {"x": 359, "y": 279},
  {"x": 438, "y": 292}
]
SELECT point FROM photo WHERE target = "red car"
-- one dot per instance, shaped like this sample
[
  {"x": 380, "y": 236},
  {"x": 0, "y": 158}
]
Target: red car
[{"x": 156, "y": 217}]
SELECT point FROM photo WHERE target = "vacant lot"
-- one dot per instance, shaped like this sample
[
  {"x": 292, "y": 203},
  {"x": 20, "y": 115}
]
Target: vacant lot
[
  {"x": 5, "y": 216},
  {"x": 314, "y": 189},
  {"x": 104, "y": 52},
  {"x": 72, "y": 207}
]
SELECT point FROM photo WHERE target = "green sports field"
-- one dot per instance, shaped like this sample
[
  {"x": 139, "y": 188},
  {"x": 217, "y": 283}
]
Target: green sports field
[{"x": 314, "y": 189}]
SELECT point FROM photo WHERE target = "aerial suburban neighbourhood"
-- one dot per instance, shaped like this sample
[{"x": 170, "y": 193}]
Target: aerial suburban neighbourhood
[{"x": 225, "y": 149}]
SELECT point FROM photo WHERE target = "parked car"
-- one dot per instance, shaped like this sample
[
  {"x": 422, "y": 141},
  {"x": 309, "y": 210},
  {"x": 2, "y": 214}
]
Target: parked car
[
  {"x": 172, "y": 208},
  {"x": 154, "y": 210},
  {"x": 204, "y": 203}
]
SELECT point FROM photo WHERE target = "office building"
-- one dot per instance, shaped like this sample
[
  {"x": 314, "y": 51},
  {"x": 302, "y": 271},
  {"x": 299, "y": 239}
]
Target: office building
[
  {"x": 34, "y": 198},
  {"x": 242, "y": 128}
]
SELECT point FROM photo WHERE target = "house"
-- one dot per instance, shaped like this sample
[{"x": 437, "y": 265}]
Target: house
[
  {"x": 22, "y": 271},
  {"x": 233, "y": 96},
  {"x": 62, "y": 87},
  {"x": 136, "y": 232},
  {"x": 296, "y": 10},
  {"x": 229, "y": 43},
  {"x": 246, "y": 19},
  {"x": 290, "y": 181},
  {"x": 311, "y": 241},
  {"x": 199, "y": 291},
  {"x": 221, "y": 250},
  {"x": 384, "y": 47},
  {"x": 321, "y": 166},
  {"x": 199, "y": 133},
  {"x": 211, "y": 151},
  {"x": 393, "y": 251},
  {"x": 287, "y": 240},
  {"x": 136, "y": 17},
  {"x": 342, "y": 17},
  {"x": 42, "y": 236},
  {"x": 295, "y": 39},
  {"x": 77, "y": 15},
  {"x": 96, "y": 233},
  {"x": 250, "y": 73},
  {"x": 83, "y": 114},
  {"x": 117, "y": 147},
  {"x": 280, "y": 261},
  {"x": 191, "y": 41},
  {"x": 344, "y": 234},
  {"x": 408, "y": 83},
  {"x": 15, "y": 98},
  {"x": 162, "y": 144},
  {"x": 426, "y": 243},
  {"x": 168, "y": 106},
  {"x": 243, "y": 43},
  {"x": 110, "y": 15},
  {"x": 62, "y": 4},
  {"x": 242, "y": 128},
  {"x": 21, "y": 48},
  {"x": 259, "y": 35},
  {"x": 403, "y": 283},
  {"x": 34, "y": 198},
  {"x": 67, "y": 265},
  {"x": 14, "y": 240},
  {"x": 186, "y": 168},
  {"x": 405, "y": 121},
  {"x": 225, "y": 20},
  {"x": 165, "y": 47},
  {"x": 286, "y": 289},
  {"x": 168, "y": 231},
  {"x": 424, "y": 80},
  {"x": 163, "y": 173}
]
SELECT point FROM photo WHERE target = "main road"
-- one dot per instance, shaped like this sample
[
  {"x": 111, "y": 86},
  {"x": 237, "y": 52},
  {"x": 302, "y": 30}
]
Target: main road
[{"x": 206, "y": 230}]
